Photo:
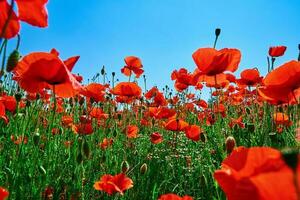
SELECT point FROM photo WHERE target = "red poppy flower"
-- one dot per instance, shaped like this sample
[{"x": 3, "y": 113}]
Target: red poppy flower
[
  {"x": 156, "y": 138},
  {"x": 132, "y": 131},
  {"x": 161, "y": 112},
  {"x": 172, "y": 196},
  {"x": 250, "y": 77},
  {"x": 256, "y": 173},
  {"x": 238, "y": 122},
  {"x": 174, "y": 124},
  {"x": 183, "y": 79},
  {"x": 277, "y": 51},
  {"x": 3, "y": 193},
  {"x": 193, "y": 132},
  {"x": 84, "y": 128},
  {"x": 98, "y": 113},
  {"x": 106, "y": 142},
  {"x": 281, "y": 119},
  {"x": 133, "y": 64},
  {"x": 212, "y": 62},
  {"x": 2, "y": 113},
  {"x": 96, "y": 91},
  {"x": 9, "y": 102},
  {"x": 113, "y": 184},
  {"x": 282, "y": 88},
  {"x": 33, "y": 12},
  {"x": 127, "y": 89},
  {"x": 40, "y": 70}
]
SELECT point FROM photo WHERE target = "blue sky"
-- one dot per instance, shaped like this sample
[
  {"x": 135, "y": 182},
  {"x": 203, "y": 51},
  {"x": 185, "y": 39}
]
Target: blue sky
[{"x": 163, "y": 33}]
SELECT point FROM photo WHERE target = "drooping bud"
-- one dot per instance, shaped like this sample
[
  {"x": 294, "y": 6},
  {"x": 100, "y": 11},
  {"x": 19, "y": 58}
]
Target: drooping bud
[
  {"x": 86, "y": 149},
  {"x": 13, "y": 60},
  {"x": 125, "y": 166},
  {"x": 143, "y": 169},
  {"x": 230, "y": 144}
]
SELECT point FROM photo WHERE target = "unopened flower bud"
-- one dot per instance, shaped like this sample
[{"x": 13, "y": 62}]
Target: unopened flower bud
[
  {"x": 125, "y": 166},
  {"x": 143, "y": 168},
  {"x": 230, "y": 144},
  {"x": 217, "y": 32}
]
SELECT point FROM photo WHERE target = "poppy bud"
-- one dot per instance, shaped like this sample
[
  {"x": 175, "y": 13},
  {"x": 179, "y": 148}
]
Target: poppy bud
[
  {"x": 18, "y": 97},
  {"x": 217, "y": 32},
  {"x": 230, "y": 144},
  {"x": 125, "y": 166},
  {"x": 13, "y": 60},
  {"x": 143, "y": 168},
  {"x": 290, "y": 157},
  {"x": 79, "y": 157},
  {"x": 299, "y": 47},
  {"x": 36, "y": 138},
  {"x": 86, "y": 149},
  {"x": 113, "y": 73},
  {"x": 103, "y": 70}
]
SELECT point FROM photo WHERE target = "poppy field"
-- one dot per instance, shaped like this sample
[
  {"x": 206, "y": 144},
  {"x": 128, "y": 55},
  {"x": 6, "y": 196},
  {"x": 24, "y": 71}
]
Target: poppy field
[{"x": 117, "y": 137}]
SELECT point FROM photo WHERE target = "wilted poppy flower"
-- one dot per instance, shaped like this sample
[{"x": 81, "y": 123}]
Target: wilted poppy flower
[
  {"x": 250, "y": 77},
  {"x": 256, "y": 173},
  {"x": 281, "y": 84},
  {"x": 133, "y": 64},
  {"x": 3, "y": 193},
  {"x": 132, "y": 131},
  {"x": 277, "y": 51},
  {"x": 172, "y": 196},
  {"x": 40, "y": 70},
  {"x": 113, "y": 184},
  {"x": 156, "y": 138},
  {"x": 212, "y": 62},
  {"x": 193, "y": 132},
  {"x": 174, "y": 124},
  {"x": 33, "y": 12},
  {"x": 127, "y": 89}
]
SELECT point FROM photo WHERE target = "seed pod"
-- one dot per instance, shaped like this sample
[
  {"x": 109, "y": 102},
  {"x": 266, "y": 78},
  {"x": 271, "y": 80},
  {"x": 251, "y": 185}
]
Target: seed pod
[
  {"x": 86, "y": 149},
  {"x": 230, "y": 144},
  {"x": 143, "y": 168},
  {"x": 13, "y": 60},
  {"x": 125, "y": 166}
]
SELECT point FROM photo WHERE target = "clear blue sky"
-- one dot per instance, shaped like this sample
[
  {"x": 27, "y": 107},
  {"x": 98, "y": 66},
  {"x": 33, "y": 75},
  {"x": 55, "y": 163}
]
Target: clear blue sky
[{"x": 163, "y": 33}]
